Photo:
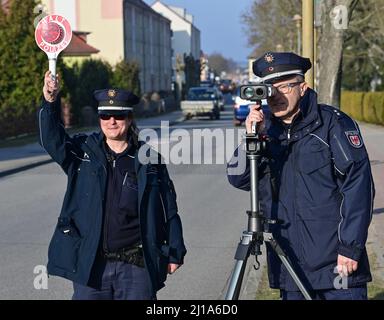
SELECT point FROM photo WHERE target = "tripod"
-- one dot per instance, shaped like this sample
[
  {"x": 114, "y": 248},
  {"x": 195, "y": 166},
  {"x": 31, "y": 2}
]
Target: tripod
[{"x": 255, "y": 236}]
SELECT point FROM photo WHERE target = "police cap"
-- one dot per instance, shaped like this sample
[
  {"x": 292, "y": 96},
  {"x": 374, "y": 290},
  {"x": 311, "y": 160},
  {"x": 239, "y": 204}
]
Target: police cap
[
  {"x": 273, "y": 66},
  {"x": 115, "y": 101}
]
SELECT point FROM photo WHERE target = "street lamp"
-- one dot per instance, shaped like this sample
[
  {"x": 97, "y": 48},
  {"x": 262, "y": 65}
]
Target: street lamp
[{"x": 297, "y": 18}]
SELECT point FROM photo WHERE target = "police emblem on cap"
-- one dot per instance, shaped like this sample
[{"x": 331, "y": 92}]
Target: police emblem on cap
[
  {"x": 354, "y": 139},
  {"x": 111, "y": 93},
  {"x": 269, "y": 58}
]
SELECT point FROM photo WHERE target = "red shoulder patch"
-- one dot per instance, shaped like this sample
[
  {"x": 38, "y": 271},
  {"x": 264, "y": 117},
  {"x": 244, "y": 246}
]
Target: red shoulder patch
[{"x": 354, "y": 139}]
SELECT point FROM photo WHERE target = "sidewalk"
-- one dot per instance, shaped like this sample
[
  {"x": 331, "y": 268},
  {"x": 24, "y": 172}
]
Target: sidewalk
[
  {"x": 16, "y": 159},
  {"x": 373, "y": 137}
]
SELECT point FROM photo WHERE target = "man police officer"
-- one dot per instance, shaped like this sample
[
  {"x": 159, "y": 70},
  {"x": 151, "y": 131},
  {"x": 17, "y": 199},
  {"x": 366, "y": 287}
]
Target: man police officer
[
  {"x": 119, "y": 233},
  {"x": 315, "y": 177}
]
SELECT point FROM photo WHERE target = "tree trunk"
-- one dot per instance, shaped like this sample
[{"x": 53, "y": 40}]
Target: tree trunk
[{"x": 335, "y": 15}]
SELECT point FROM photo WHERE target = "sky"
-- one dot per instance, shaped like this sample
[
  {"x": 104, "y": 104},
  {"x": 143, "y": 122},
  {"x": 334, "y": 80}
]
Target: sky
[{"x": 219, "y": 22}]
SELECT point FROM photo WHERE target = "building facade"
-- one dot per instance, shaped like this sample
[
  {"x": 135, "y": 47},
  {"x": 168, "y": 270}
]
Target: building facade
[
  {"x": 147, "y": 40},
  {"x": 185, "y": 41},
  {"x": 186, "y": 37}
]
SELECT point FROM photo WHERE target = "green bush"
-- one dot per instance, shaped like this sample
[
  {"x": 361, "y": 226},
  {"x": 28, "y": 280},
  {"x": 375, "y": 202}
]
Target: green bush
[
  {"x": 80, "y": 81},
  {"x": 380, "y": 109},
  {"x": 352, "y": 104},
  {"x": 369, "y": 112},
  {"x": 364, "y": 106},
  {"x": 22, "y": 66},
  {"x": 126, "y": 76},
  {"x": 377, "y": 101}
]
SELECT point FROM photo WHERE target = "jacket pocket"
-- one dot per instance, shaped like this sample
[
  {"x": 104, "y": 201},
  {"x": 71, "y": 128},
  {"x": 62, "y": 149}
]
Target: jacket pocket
[
  {"x": 317, "y": 228},
  {"x": 315, "y": 180},
  {"x": 313, "y": 161},
  {"x": 65, "y": 245}
]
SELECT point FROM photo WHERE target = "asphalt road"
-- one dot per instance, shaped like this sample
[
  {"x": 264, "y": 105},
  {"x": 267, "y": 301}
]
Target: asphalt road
[{"x": 212, "y": 212}]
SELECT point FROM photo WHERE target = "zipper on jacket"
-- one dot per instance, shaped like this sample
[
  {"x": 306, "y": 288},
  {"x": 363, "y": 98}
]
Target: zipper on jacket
[
  {"x": 105, "y": 245},
  {"x": 125, "y": 178}
]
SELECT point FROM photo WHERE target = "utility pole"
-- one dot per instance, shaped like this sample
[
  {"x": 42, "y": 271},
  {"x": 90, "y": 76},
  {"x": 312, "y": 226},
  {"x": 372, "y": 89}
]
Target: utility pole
[
  {"x": 308, "y": 37},
  {"x": 297, "y": 18}
]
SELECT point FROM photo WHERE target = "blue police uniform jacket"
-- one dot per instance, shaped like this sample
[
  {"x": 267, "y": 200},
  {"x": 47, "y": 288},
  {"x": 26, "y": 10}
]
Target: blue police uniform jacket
[
  {"x": 316, "y": 177},
  {"x": 76, "y": 239}
]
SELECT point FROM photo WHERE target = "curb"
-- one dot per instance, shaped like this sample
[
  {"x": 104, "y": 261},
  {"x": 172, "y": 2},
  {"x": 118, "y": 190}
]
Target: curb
[{"x": 23, "y": 168}]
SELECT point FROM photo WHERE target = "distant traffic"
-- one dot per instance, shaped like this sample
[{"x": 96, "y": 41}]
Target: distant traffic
[{"x": 210, "y": 98}]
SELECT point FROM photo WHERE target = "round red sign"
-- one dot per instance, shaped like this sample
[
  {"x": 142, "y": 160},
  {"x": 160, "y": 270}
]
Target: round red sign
[{"x": 53, "y": 34}]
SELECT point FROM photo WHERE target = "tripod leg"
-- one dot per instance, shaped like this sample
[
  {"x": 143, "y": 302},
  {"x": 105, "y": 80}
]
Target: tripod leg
[
  {"x": 242, "y": 253},
  {"x": 268, "y": 237}
]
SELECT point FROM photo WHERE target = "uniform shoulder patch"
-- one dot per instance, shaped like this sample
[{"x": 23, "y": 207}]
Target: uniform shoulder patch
[{"x": 354, "y": 138}]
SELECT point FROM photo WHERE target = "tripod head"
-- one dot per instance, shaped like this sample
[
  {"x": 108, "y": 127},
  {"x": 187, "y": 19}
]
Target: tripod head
[{"x": 256, "y": 144}]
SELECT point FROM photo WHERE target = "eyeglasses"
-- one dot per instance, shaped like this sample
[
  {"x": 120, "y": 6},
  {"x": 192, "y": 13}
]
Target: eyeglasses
[
  {"x": 116, "y": 117},
  {"x": 287, "y": 88}
]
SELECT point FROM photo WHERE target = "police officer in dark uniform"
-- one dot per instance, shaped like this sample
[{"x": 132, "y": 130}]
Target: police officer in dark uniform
[
  {"x": 315, "y": 177},
  {"x": 119, "y": 232}
]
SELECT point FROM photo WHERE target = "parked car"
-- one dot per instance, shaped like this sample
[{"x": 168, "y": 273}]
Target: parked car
[
  {"x": 209, "y": 84},
  {"x": 202, "y": 101},
  {"x": 241, "y": 108},
  {"x": 206, "y": 83}
]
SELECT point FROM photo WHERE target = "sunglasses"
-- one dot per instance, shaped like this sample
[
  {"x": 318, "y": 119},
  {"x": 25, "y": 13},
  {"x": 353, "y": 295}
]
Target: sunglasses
[{"x": 116, "y": 117}]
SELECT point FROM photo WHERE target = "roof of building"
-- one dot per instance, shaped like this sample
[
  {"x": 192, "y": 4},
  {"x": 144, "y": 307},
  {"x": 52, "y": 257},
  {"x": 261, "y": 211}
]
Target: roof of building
[
  {"x": 141, "y": 4},
  {"x": 79, "y": 46},
  {"x": 171, "y": 8}
]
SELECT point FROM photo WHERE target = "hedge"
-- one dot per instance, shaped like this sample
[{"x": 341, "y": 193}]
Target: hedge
[{"x": 364, "y": 106}]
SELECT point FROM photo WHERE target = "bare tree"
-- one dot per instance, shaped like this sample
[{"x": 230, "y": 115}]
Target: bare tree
[
  {"x": 269, "y": 25},
  {"x": 363, "y": 60},
  {"x": 218, "y": 63},
  {"x": 335, "y": 16}
]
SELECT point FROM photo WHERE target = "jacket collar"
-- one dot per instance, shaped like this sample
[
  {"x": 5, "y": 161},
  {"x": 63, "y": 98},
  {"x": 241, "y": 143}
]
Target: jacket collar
[
  {"x": 306, "y": 122},
  {"x": 94, "y": 143}
]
